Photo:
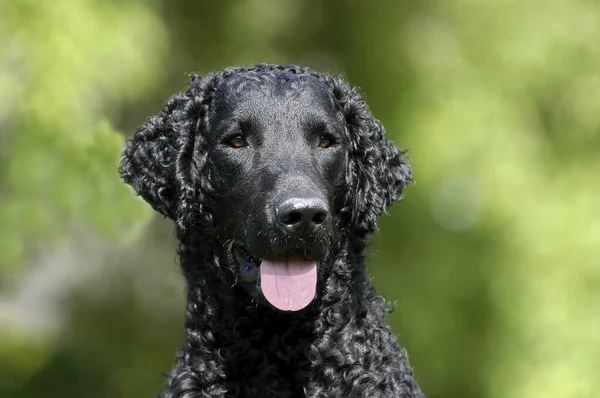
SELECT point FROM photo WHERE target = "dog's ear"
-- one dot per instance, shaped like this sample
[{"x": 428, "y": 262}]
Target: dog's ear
[
  {"x": 160, "y": 162},
  {"x": 378, "y": 170}
]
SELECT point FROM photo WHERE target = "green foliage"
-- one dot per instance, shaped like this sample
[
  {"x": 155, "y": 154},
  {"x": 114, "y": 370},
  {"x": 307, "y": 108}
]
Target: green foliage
[
  {"x": 492, "y": 258},
  {"x": 65, "y": 65},
  {"x": 508, "y": 101}
]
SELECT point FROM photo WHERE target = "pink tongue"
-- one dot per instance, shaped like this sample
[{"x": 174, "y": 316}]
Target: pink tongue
[{"x": 289, "y": 285}]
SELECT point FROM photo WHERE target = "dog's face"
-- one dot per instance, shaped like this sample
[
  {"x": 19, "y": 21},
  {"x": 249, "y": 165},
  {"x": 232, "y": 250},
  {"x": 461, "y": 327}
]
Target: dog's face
[
  {"x": 278, "y": 151},
  {"x": 272, "y": 165}
]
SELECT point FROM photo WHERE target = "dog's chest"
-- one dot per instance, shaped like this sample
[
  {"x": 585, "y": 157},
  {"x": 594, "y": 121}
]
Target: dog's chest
[{"x": 267, "y": 365}]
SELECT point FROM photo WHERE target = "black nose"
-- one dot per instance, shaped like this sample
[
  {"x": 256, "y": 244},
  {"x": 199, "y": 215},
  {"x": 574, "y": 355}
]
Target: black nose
[{"x": 302, "y": 215}]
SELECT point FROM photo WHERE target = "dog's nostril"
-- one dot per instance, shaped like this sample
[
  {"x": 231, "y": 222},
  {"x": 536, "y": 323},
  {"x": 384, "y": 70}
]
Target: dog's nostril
[
  {"x": 319, "y": 217},
  {"x": 290, "y": 218}
]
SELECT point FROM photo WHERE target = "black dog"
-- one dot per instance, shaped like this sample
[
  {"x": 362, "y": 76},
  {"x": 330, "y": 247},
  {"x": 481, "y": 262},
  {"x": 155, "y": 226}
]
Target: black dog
[{"x": 275, "y": 176}]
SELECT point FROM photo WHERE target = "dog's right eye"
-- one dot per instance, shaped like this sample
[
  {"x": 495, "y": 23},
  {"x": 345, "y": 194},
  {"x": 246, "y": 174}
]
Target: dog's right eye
[
  {"x": 325, "y": 141},
  {"x": 237, "y": 142}
]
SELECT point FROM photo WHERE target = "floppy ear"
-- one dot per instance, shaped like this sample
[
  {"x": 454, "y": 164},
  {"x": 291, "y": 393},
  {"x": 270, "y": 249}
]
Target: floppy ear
[
  {"x": 160, "y": 160},
  {"x": 377, "y": 168}
]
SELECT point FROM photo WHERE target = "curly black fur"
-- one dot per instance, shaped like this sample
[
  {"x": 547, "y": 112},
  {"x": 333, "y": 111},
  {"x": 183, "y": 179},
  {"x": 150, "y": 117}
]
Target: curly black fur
[{"x": 339, "y": 346}]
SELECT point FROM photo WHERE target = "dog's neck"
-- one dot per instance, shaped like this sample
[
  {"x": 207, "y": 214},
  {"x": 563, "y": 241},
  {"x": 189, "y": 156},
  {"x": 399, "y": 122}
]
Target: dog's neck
[
  {"x": 219, "y": 306},
  {"x": 230, "y": 339}
]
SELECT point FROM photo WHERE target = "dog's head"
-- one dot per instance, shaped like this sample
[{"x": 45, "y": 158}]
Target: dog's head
[{"x": 274, "y": 165}]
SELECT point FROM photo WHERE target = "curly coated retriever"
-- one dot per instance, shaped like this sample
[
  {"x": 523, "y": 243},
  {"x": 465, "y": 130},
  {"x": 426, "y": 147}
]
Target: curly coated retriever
[{"x": 275, "y": 176}]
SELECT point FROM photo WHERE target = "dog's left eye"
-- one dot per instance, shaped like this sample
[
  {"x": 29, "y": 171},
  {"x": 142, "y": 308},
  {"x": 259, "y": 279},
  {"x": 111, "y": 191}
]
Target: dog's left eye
[
  {"x": 325, "y": 141},
  {"x": 237, "y": 142}
]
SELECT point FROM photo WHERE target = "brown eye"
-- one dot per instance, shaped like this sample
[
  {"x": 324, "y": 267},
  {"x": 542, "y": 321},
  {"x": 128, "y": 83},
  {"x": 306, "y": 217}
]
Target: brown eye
[
  {"x": 237, "y": 142},
  {"x": 324, "y": 141}
]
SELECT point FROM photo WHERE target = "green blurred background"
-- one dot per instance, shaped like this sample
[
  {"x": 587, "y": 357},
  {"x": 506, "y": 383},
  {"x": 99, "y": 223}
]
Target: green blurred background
[{"x": 493, "y": 259}]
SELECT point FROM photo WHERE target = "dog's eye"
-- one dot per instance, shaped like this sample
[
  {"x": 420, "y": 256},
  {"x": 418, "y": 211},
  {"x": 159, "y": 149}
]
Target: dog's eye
[
  {"x": 325, "y": 141},
  {"x": 237, "y": 142}
]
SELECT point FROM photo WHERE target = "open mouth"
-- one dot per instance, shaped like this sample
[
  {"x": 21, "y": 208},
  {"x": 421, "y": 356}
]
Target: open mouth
[{"x": 288, "y": 282}]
